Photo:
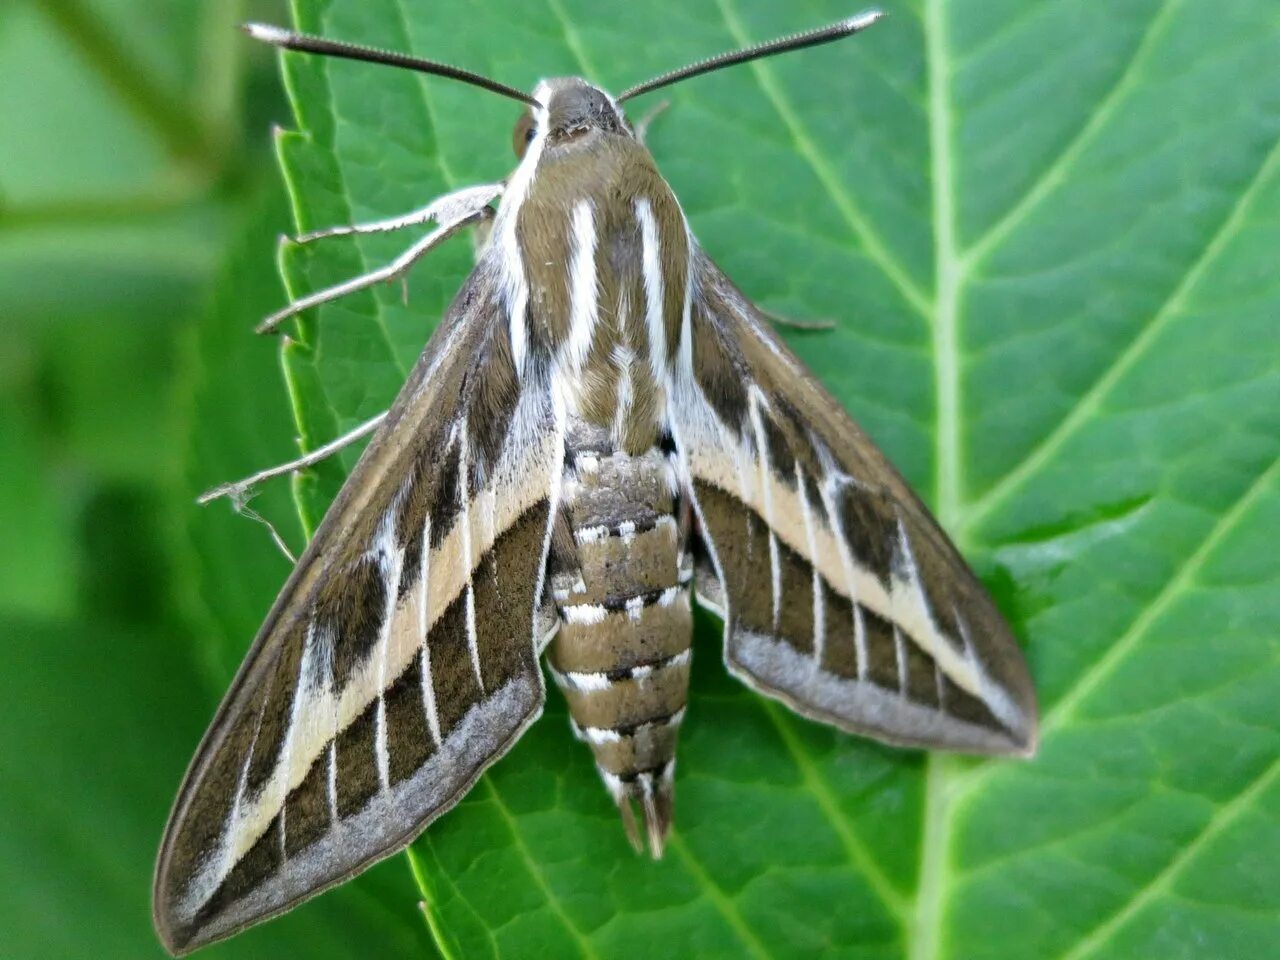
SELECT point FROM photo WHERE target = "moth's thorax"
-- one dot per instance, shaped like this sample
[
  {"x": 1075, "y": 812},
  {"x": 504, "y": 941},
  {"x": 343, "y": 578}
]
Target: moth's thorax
[{"x": 604, "y": 254}]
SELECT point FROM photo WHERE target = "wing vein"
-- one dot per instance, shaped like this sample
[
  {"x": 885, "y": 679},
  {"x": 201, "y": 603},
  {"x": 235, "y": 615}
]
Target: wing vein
[
  {"x": 811, "y": 535},
  {"x": 424, "y": 592},
  {"x": 464, "y": 499}
]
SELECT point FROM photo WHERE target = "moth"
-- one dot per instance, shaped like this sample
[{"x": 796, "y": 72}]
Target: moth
[{"x": 601, "y": 429}]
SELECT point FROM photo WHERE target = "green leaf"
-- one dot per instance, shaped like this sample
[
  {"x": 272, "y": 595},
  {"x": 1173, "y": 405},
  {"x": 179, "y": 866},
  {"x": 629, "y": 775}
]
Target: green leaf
[{"x": 1047, "y": 232}]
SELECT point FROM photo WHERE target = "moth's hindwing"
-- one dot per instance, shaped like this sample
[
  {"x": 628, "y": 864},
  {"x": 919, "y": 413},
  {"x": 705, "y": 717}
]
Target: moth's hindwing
[
  {"x": 394, "y": 667},
  {"x": 840, "y": 593}
]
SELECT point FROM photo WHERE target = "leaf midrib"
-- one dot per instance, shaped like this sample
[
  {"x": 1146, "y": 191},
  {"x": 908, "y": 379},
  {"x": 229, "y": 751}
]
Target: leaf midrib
[
  {"x": 943, "y": 794},
  {"x": 924, "y": 933}
]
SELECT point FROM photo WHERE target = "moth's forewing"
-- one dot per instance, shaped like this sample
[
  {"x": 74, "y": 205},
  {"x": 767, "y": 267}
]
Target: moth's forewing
[
  {"x": 841, "y": 595},
  {"x": 394, "y": 667}
]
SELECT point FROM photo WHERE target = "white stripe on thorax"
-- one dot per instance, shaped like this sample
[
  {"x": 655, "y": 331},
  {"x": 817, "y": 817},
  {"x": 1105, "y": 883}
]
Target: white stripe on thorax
[
  {"x": 541, "y": 634},
  {"x": 584, "y": 308},
  {"x": 685, "y": 363},
  {"x": 654, "y": 288},
  {"x": 623, "y": 357},
  {"x": 515, "y": 286}
]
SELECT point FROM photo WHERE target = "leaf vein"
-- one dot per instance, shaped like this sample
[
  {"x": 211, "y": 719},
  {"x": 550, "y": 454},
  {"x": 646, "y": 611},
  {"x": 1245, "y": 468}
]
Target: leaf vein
[
  {"x": 1182, "y": 578},
  {"x": 722, "y": 902},
  {"x": 1057, "y": 171},
  {"x": 1161, "y": 883},
  {"x": 1090, "y": 401},
  {"x": 925, "y": 931},
  {"x": 1064, "y": 709},
  {"x": 870, "y": 239},
  {"x": 818, "y": 786},
  {"x": 536, "y": 873}
]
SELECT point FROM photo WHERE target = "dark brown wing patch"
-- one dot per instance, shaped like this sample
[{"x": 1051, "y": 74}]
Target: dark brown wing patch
[
  {"x": 900, "y": 641},
  {"x": 324, "y": 755}
]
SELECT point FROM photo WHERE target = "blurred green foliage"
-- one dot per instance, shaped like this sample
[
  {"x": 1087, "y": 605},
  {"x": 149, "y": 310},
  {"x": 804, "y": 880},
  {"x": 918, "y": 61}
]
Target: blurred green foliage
[{"x": 136, "y": 182}]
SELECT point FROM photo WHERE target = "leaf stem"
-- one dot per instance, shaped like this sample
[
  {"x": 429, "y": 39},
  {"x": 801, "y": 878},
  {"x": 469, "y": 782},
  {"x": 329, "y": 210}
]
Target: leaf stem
[
  {"x": 172, "y": 120},
  {"x": 221, "y": 74},
  {"x": 101, "y": 210}
]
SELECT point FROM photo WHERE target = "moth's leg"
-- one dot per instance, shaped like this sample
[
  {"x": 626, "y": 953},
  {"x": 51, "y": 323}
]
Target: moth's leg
[
  {"x": 642, "y": 125},
  {"x": 278, "y": 540},
  {"x": 780, "y": 320},
  {"x": 452, "y": 217},
  {"x": 242, "y": 490},
  {"x": 440, "y": 210}
]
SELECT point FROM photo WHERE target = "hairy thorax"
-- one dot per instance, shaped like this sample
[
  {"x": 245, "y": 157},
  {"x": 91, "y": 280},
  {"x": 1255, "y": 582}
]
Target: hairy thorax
[{"x": 605, "y": 253}]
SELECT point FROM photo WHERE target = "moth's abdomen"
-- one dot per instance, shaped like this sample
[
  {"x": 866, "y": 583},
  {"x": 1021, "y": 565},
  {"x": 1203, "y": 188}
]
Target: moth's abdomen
[{"x": 621, "y": 656}]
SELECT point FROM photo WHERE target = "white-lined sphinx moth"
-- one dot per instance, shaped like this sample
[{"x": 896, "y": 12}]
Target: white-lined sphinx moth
[{"x": 602, "y": 427}]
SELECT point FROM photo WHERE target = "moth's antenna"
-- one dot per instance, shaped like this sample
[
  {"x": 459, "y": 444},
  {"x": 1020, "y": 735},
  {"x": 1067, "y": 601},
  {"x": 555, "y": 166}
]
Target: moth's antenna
[
  {"x": 796, "y": 41},
  {"x": 288, "y": 40}
]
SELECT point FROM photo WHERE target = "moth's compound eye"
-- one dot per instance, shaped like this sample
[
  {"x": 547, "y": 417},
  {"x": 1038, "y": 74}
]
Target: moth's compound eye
[{"x": 523, "y": 134}]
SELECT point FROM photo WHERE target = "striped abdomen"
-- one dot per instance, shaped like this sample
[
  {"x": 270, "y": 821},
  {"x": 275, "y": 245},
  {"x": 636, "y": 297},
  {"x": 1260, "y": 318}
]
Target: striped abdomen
[{"x": 621, "y": 656}]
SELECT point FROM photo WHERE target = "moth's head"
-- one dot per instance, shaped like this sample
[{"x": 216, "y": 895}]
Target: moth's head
[{"x": 570, "y": 111}]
